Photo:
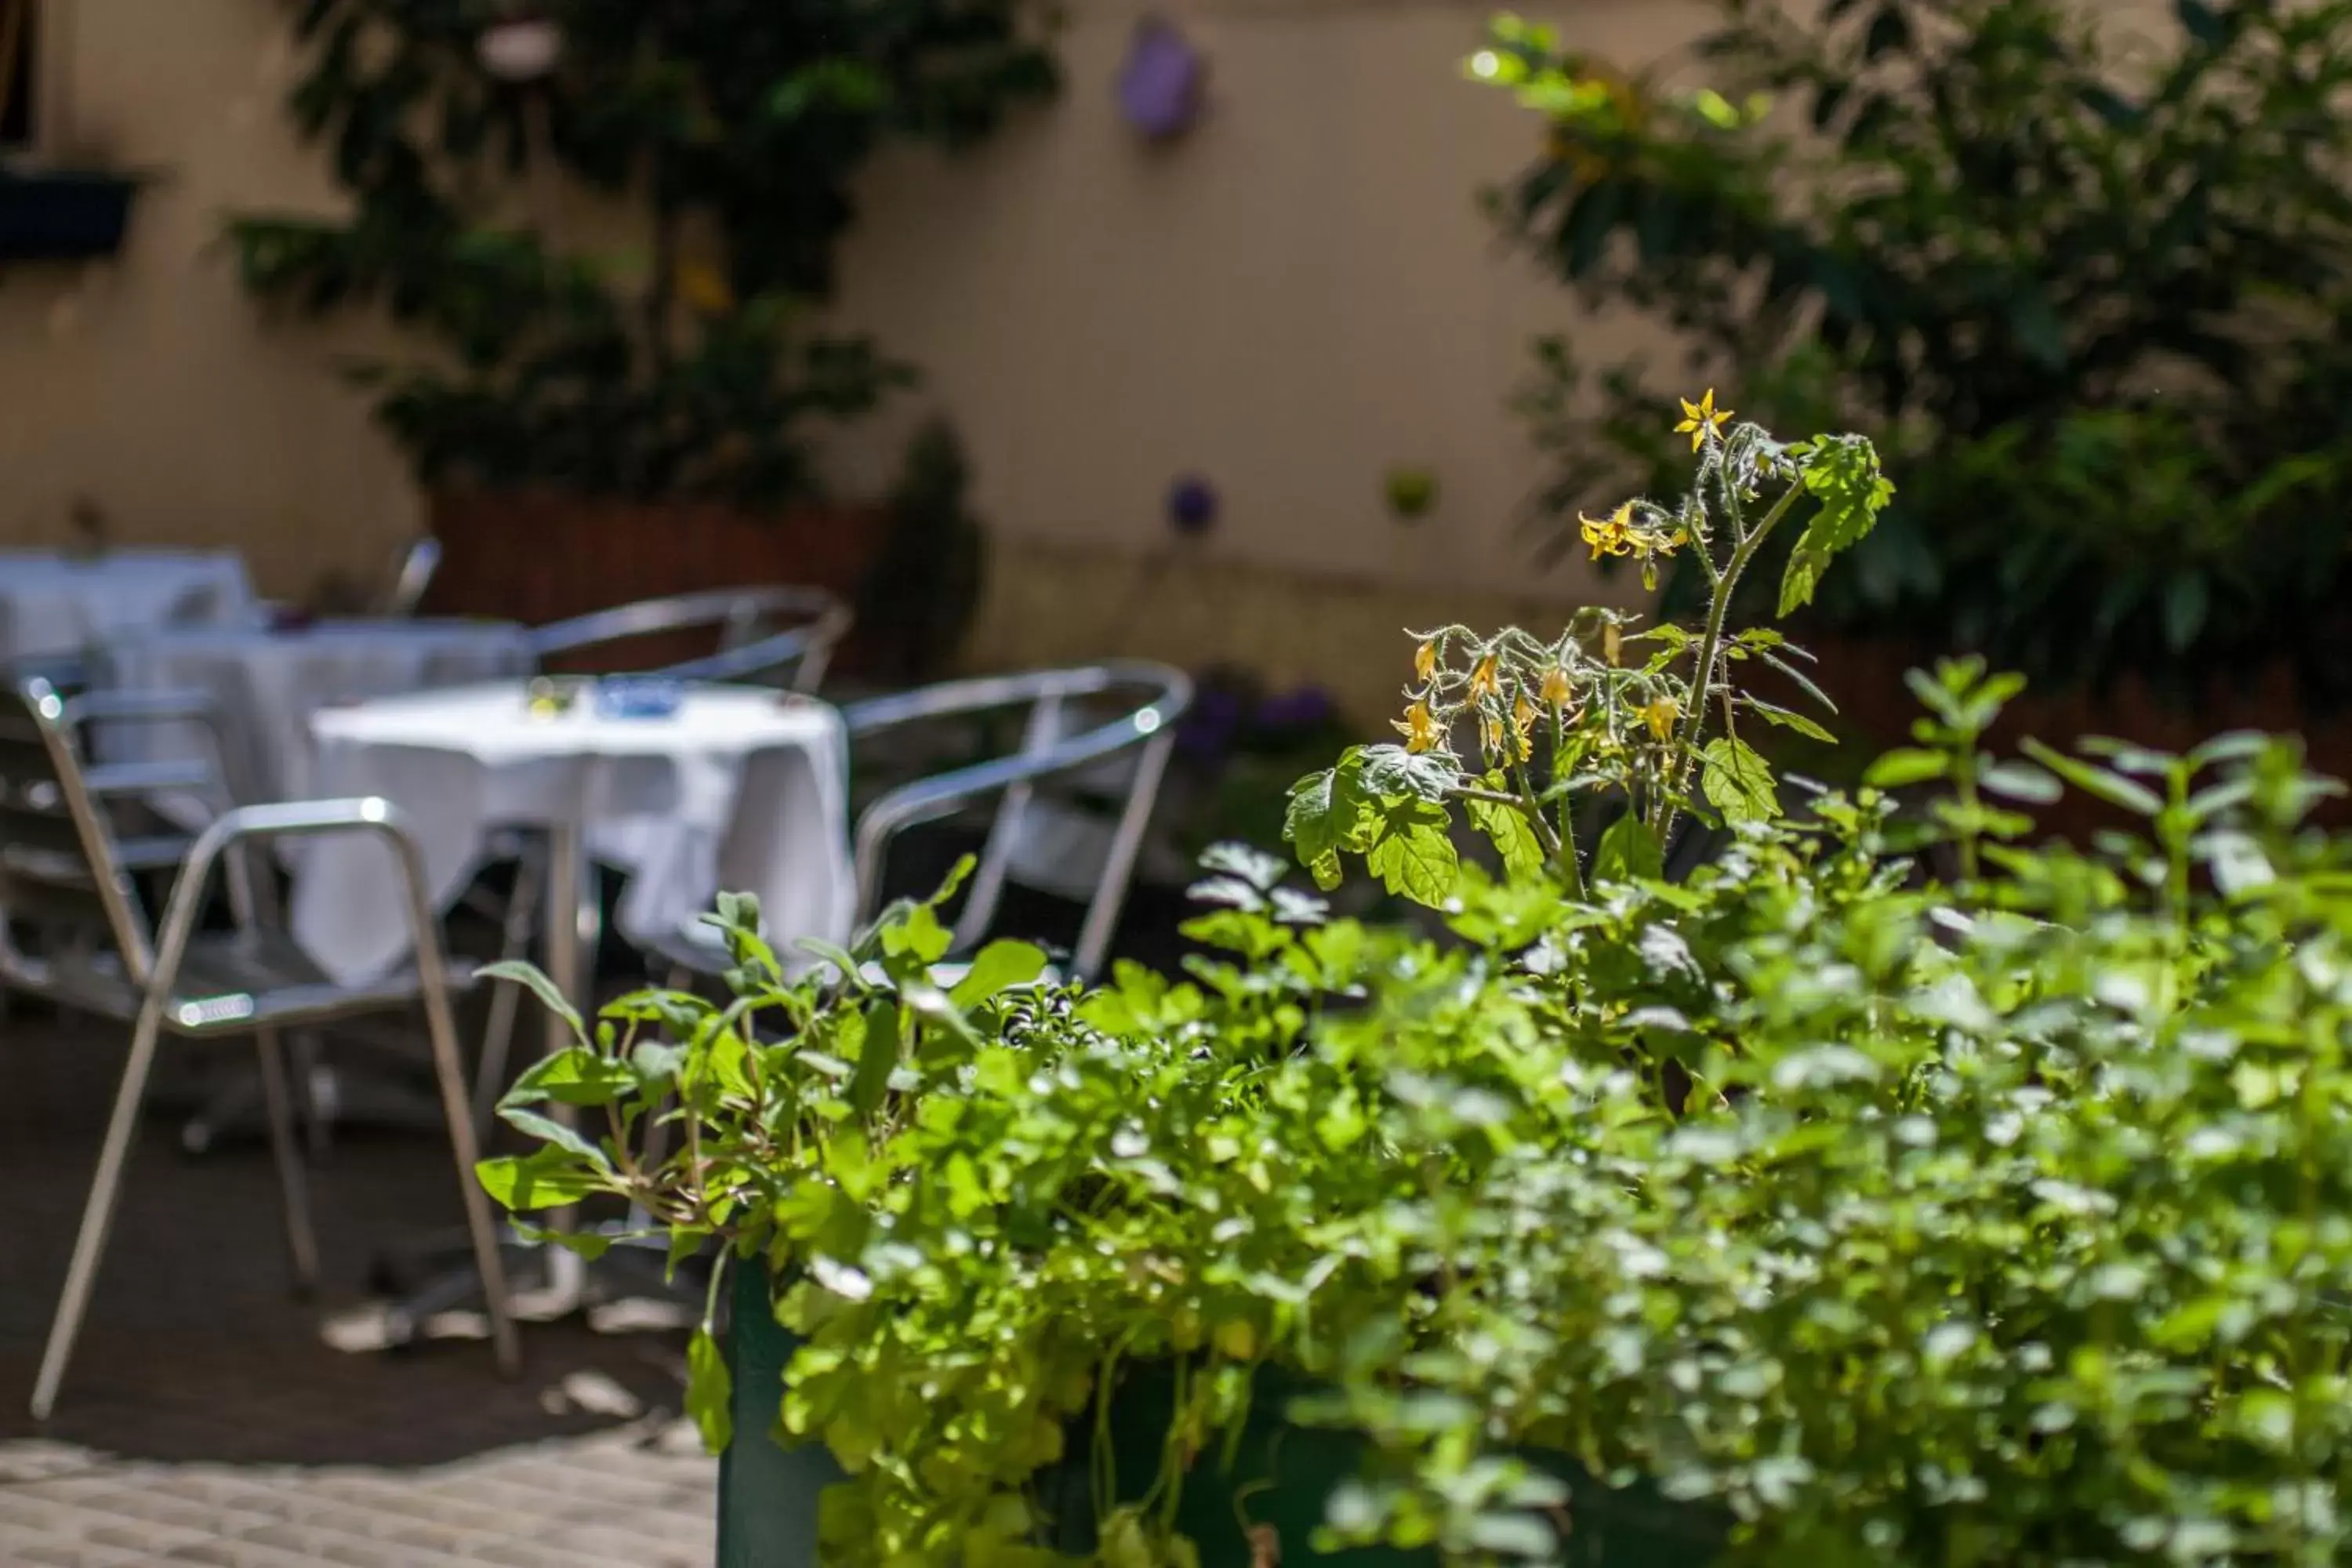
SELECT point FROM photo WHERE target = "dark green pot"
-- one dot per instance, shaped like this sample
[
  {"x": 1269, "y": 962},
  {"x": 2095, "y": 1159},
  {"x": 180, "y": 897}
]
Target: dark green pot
[
  {"x": 1280, "y": 1475},
  {"x": 767, "y": 1493}
]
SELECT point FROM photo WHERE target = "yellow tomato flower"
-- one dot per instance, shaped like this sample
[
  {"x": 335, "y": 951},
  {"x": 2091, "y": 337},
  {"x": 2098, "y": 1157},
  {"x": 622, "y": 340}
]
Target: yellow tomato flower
[
  {"x": 1660, "y": 716},
  {"x": 1556, "y": 691},
  {"x": 1420, "y": 728},
  {"x": 1612, "y": 643},
  {"x": 1611, "y": 535},
  {"x": 1701, "y": 417},
  {"x": 1424, "y": 661},
  {"x": 1523, "y": 726},
  {"x": 1483, "y": 684}
]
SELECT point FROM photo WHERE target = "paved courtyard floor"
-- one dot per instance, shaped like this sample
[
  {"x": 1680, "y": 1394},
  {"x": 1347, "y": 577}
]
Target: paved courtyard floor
[{"x": 205, "y": 1421}]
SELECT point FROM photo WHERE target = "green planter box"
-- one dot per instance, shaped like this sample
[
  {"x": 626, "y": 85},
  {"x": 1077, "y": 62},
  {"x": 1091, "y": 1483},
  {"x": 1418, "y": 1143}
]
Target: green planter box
[
  {"x": 1281, "y": 1476},
  {"x": 767, "y": 1494}
]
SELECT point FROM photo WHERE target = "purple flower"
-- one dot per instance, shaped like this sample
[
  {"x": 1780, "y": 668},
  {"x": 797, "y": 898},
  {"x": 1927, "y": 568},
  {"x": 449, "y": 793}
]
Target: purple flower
[
  {"x": 1308, "y": 707},
  {"x": 1191, "y": 506},
  {"x": 1208, "y": 731},
  {"x": 1160, "y": 86}
]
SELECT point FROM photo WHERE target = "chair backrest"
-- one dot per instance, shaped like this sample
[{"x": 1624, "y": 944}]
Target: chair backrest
[
  {"x": 418, "y": 561},
  {"x": 1123, "y": 756},
  {"x": 57, "y": 864},
  {"x": 772, "y": 634}
]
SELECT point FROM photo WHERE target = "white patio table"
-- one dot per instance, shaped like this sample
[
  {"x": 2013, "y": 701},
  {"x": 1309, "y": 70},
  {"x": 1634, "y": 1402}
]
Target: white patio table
[
  {"x": 270, "y": 682},
  {"x": 740, "y": 788},
  {"x": 54, "y": 605}
]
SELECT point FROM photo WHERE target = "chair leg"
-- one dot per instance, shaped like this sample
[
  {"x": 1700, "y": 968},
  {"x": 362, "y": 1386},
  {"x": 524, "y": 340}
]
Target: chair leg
[
  {"x": 97, "y": 1213},
  {"x": 479, "y": 1226},
  {"x": 293, "y": 1181},
  {"x": 318, "y": 1121}
]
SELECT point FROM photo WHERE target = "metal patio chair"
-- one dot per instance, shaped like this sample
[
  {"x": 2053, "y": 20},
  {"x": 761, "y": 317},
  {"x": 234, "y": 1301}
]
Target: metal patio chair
[
  {"x": 62, "y": 866},
  {"x": 418, "y": 561},
  {"x": 767, "y": 636},
  {"x": 209, "y": 774},
  {"x": 1105, "y": 729}
]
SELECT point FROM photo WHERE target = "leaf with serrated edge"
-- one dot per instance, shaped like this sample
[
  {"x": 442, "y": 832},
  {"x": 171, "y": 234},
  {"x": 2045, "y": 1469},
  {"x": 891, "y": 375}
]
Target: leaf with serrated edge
[{"x": 1738, "y": 781}]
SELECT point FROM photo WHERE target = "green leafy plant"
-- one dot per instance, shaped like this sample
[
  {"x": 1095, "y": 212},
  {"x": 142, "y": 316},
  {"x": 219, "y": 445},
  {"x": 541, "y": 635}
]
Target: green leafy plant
[
  {"x": 1603, "y": 715},
  {"x": 2082, "y": 276},
  {"x": 736, "y": 126},
  {"x": 1865, "y": 1215}
]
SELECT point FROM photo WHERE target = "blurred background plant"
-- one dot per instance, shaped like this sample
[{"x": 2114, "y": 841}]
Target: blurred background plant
[
  {"x": 2085, "y": 279},
  {"x": 924, "y": 590},
  {"x": 735, "y": 125},
  {"x": 1237, "y": 753}
]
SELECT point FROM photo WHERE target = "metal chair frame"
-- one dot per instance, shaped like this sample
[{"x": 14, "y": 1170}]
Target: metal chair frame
[
  {"x": 253, "y": 891},
  {"x": 419, "y": 562},
  {"x": 58, "y": 860},
  {"x": 1046, "y": 754},
  {"x": 747, "y": 652},
  {"x": 1147, "y": 729}
]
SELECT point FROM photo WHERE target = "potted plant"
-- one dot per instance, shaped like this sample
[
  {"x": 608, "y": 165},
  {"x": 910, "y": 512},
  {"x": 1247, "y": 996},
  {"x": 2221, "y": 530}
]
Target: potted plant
[
  {"x": 594, "y": 428},
  {"x": 1807, "y": 1209}
]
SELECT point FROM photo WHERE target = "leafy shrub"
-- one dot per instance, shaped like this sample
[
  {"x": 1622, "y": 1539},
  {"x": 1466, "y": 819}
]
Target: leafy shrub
[
  {"x": 693, "y": 368},
  {"x": 1996, "y": 1222},
  {"x": 2085, "y": 276}
]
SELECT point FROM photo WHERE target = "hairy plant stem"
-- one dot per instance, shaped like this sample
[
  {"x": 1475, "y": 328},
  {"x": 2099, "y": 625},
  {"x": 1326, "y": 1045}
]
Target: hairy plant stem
[
  {"x": 1710, "y": 647},
  {"x": 1533, "y": 809},
  {"x": 1479, "y": 791}
]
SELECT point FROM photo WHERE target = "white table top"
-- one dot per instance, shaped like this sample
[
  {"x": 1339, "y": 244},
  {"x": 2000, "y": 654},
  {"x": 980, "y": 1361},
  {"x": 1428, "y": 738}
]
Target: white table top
[
  {"x": 493, "y": 723},
  {"x": 742, "y": 788}
]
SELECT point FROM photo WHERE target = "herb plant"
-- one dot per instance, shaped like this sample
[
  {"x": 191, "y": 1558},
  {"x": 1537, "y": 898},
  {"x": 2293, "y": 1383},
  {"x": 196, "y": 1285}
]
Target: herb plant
[{"x": 1871, "y": 1216}]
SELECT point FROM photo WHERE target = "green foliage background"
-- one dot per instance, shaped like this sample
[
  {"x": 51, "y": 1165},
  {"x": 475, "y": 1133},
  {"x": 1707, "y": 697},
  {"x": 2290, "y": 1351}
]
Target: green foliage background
[
  {"x": 2085, "y": 276},
  {"x": 736, "y": 126}
]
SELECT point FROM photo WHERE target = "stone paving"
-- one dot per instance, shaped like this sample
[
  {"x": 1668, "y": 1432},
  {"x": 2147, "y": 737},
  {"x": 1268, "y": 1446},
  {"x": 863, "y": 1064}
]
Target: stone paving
[{"x": 203, "y": 1421}]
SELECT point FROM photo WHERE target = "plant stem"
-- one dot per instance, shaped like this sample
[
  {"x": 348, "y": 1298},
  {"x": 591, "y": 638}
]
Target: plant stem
[
  {"x": 1567, "y": 831},
  {"x": 1703, "y": 678},
  {"x": 1533, "y": 809},
  {"x": 711, "y": 1296},
  {"x": 1492, "y": 796},
  {"x": 1964, "y": 788}
]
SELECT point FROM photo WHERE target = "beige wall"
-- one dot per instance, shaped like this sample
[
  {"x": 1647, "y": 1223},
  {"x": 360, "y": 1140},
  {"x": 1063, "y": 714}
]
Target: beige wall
[
  {"x": 1296, "y": 298},
  {"x": 147, "y": 383}
]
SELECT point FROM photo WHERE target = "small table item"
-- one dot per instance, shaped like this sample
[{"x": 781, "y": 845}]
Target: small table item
[{"x": 52, "y": 604}]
